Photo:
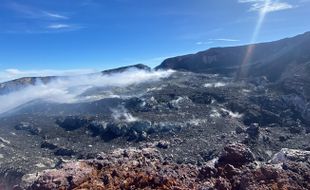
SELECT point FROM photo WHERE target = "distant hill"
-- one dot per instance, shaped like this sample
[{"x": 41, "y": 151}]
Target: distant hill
[
  {"x": 122, "y": 69},
  {"x": 16, "y": 84}
]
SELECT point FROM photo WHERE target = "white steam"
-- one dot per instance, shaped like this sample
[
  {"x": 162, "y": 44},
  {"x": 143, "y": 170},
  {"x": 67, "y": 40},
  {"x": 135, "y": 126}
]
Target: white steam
[
  {"x": 232, "y": 114},
  {"x": 122, "y": 114},
  {"x": 215, "y": 85},
  {"x": 69, "y": 89}
]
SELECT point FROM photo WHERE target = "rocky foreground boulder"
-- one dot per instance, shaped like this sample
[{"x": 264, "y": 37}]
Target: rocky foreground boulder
[{"x": 145, "y": 168}]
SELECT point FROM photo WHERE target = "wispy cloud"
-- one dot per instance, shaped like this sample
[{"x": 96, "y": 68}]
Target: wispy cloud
[
  {"x": 211, "y": 41},
  {"x": 267, "y": 5},
  {"x": 59, "y": 26},
  {"x": 39, "y": 20},
  {"x": 54, "y": 15},
  {"x": 33, "y": 12}
]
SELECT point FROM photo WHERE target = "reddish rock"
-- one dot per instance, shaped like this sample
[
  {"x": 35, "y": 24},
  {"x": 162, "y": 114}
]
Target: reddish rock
[
  {"x": 236, "y": 155},
  {"x": 145, "y": 169}
]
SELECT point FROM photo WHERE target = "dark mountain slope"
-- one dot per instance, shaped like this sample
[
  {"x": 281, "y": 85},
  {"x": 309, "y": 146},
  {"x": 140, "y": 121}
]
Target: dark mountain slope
[
  {"x": 271, "y": 59},
  {"x": 122, "y": 69}
]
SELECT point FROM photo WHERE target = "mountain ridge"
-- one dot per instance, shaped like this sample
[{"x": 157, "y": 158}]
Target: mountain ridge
[
  {"x": 285, "y": 62},
  {"x": 227, "y": 60}
]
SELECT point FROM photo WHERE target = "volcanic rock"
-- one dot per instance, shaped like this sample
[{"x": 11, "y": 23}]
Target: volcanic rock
[
  {"x": 64, "y": 152},
  {"x": 48, "y": 145},
  {"x": 145, "y": 169},
  {"x": 72, "y": 122},
  {"x": 286, "y": 155},
  {"x": 163, "y": 144},
  {"x": 236, "y": 155},
  {"x": 253, "y": 131},
  {"x": 29, "y": 128}
]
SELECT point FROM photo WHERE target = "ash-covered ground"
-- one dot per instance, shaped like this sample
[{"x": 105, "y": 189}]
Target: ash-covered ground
[{"x": 189, "y": 116}]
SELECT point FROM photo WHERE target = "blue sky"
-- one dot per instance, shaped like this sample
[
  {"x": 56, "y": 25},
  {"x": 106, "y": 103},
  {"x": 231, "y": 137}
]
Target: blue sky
[{"x": 76, "y": 36}]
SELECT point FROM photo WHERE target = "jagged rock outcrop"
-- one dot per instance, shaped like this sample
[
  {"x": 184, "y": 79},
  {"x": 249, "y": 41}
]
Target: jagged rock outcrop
[{"x": 145, "y": 168}]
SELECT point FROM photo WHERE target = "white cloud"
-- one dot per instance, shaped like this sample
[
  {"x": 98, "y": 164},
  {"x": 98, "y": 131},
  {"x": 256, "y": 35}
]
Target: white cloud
[
  {"x": 59, "y": 26},
  {"x": 13, "y": 71},
  {"x": 54, "y": 15},
  {"x": 70, "y": 89},
  {"x": 267, "y": 5},
  {"x": 211, "y": 41}
]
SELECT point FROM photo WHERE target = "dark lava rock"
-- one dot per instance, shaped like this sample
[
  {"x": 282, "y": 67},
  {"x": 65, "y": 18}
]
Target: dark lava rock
[
  {"x": 134, "y": 104},
  {"x": 141, "y": 126},
  {"x": 136, "y": 130},
  {"x": 71, "y": 123},
  {"x": 236, "y": 155},
  {"x": 163, "y": 144},
  {"x": 296, "y": 129},
  {"x": 203, "y": 98},
  {"x": 253, "y": 131},
  {"x": 24, "y": 126},
  {"x": 263, "y": 117},
  {"x": 48, "y": 145},
  {"x": 133, "y": 130},
  {"x": 283, "y": 138},
  {"x": 64, "y": 152},
  {"x": 208, "y": 155},
  {"x": 239, "y": 130}
]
